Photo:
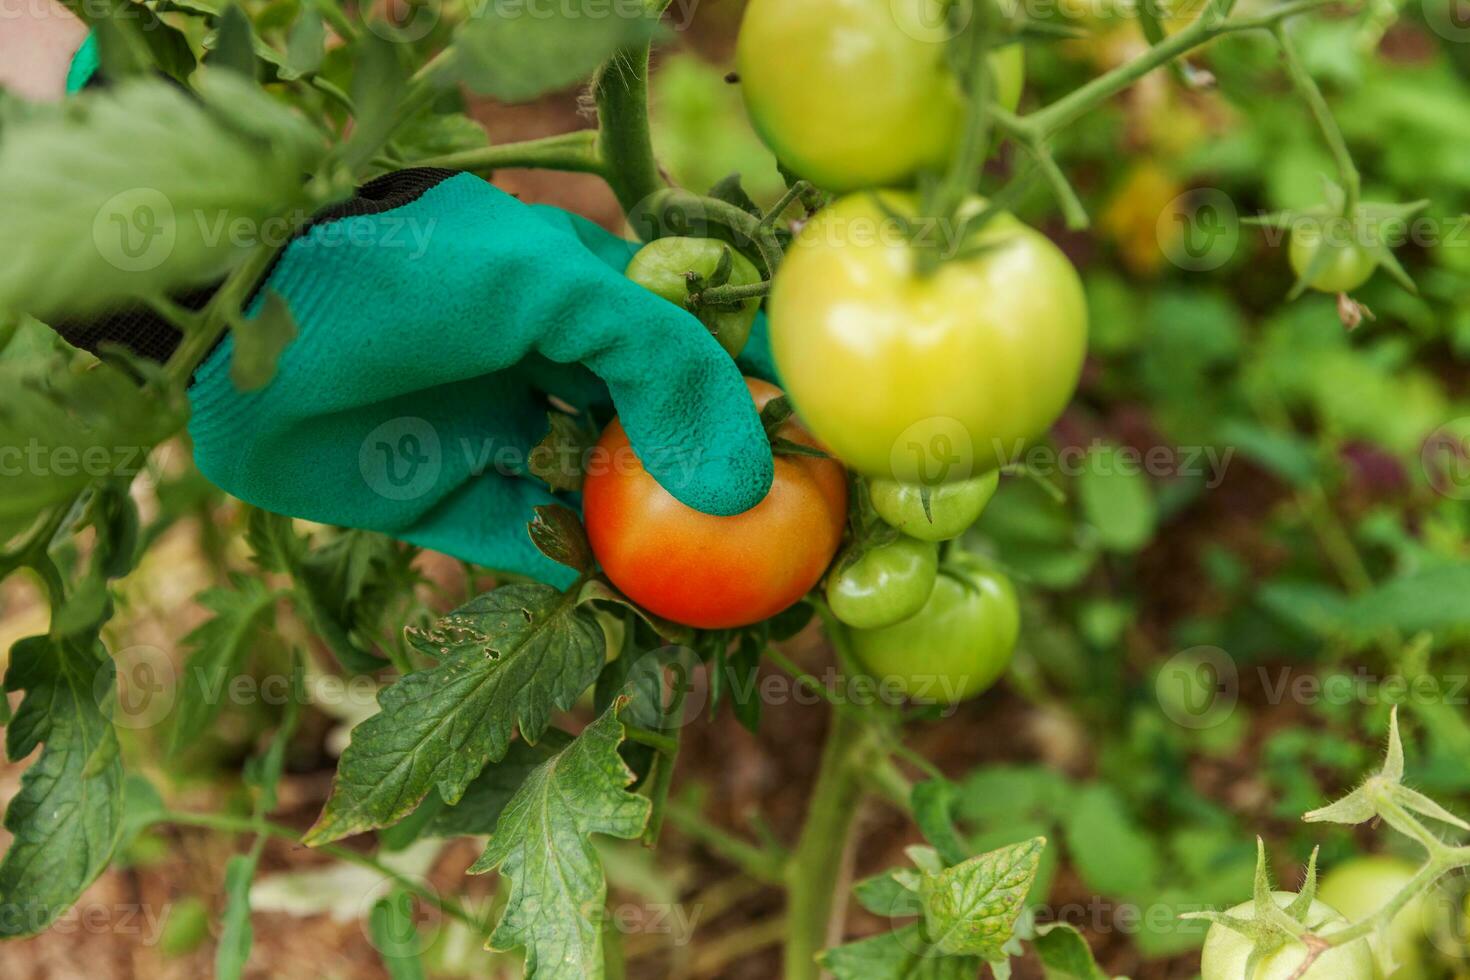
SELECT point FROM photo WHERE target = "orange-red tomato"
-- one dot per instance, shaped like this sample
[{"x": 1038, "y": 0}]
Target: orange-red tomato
[{"x": 714, "y": 572}]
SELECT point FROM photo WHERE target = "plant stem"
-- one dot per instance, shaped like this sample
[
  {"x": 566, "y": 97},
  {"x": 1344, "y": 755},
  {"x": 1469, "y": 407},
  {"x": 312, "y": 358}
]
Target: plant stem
[
  {"x": 762, "y": 865},
  {"x": 1047, "y": 120},
  {"x": 1306, "y": 87},
  {"x": 577, "y": 152},
  {"x": 216, "y": 316},
  {"x": 720, "y": 295},
  {"x": 654, "y": 740},
  {"x": 625, "y": 142},
  {"x": 249, "y": 825},
  {"x": 813, "y": 873}
]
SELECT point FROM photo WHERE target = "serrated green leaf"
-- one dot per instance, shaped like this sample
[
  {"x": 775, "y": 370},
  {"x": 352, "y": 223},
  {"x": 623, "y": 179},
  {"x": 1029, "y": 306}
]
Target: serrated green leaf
[
  {"x": 931, "y": 802},
  {"x": 898, "y": 955},
  {"x": 559, "y": 458},
  {"x": 259, "y": 341},
  {"x": 305, "y": 45},
  {"x": 509, "y": 657},
  {"x": 543, "y": 846},
  {"x": 971, "y": 908},
  {"x": 218, "y": 646},
  {"x": 515, "y": 57},
  {"x": 558, "y": 534},
  {"x": 72, "y": 424},
  {"x": 67, "y": 817},
  {"x": 1065, "y": 955},
  {"x": 234, "y": 42},
  {"x": 132, "y": 191},
  {"x": 479, "y": 809},
  {"x": 888, "y": 895}
]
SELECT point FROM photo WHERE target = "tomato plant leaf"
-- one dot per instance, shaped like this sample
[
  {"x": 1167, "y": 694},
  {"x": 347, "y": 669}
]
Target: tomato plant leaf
[
  {"x": 509, "y": 657},
  {"x": 1112, "y": 853},
  {"x": 931, "y": 801},
  {"x": 1116, "y": 500},
  {"x": 890, "y": 894},
  {"x": 507, "y": 53},
  {"x": 1431, "y": 599},
  {"x": 558, "y": 534},
  {"x": 218, "y": 647},
  {"x": 96, "y": 173},
  {"x": 971, "y": 908},
  {"x": 305, "y": 45},
  {"x": 71, "y": 421},
  {"x": 558, "y": 459},
  {"x": 67, "y": 817},
  {"x": 542, "y": 845},
  {"x": 479, "y": 809},
  {"x": 259, "y": 342},
  {"x": 899, "y": 955},
  {"x": 596, "y": 590},
  {"x": 1064, "y": 954}
]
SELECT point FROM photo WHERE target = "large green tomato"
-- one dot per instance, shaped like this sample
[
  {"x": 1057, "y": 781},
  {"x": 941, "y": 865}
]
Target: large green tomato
[
  {"x": 925, "y": 379},
  {"x": 1226, "y": 951},
  {"x": 954, "y": 648},
  {"x": 953, "y": 507},
  {"x": 857, "y": 93},
  {"x": 1348, "y": 264},
  {"x": 886, "y": 584},
  {"x": 1364, "y": 885},
  {"x": 664, "y": 266}
]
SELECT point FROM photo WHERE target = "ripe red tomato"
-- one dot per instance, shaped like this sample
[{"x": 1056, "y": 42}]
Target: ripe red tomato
[{"x": 714, "y": 572}]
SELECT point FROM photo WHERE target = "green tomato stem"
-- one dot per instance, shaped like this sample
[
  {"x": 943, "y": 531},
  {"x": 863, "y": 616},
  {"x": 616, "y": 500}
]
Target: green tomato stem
[
  {"x": 576, "y": 152},
  {"x": 1306, "y": 87},
  {"x": 724, "y": 295},
  {"x": 765, "y": 866},
  {"x": 1045, "y": 121},
  {"x": 814, "y": 872},
  {"x": 625, "y": 142}
]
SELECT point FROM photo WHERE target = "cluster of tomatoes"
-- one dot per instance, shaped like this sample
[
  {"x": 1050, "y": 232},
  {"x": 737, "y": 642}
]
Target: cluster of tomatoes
[{"x": 920, "y": 351}]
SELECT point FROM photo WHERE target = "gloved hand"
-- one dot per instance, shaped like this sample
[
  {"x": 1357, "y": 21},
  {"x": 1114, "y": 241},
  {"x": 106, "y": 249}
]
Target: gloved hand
[{"x": 435, "y": 314}]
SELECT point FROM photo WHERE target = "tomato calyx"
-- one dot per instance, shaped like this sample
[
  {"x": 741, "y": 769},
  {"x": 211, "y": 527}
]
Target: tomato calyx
[
  {"x": 777, "y": 412},
  {"x": 1336, "y": 246}
]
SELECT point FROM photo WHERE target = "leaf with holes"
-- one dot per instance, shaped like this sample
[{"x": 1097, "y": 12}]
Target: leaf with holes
[{"x": 508, "y": 658}]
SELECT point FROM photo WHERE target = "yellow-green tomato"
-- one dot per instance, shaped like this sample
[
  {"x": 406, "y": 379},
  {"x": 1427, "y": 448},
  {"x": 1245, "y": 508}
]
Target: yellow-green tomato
[
  {"x": 955, "y": 647},
  {"x": 884, "y": 584},
  {"x": 1347, "y": 264},
  {"x": 1226, "y": 951},
  {"x": 858, "y": 93},
  {"x": 953, "y": 507},
  {"x": 925, "y": 379},
  {"x": 1364, "y": 885},
  {"x": 664, "y": 267}
]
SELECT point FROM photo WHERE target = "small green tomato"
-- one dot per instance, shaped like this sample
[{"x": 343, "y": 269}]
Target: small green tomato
[
  {"x": 953, "y": 507},
  {"x": 1347, "y": 266},
  {"x": 887, "y": 583},
  {"x": 664, "y": 267}
]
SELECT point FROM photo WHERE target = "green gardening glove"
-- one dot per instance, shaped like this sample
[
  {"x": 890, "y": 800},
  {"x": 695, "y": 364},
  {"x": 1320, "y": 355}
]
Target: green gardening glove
[{"x": 436, "y": 314}]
